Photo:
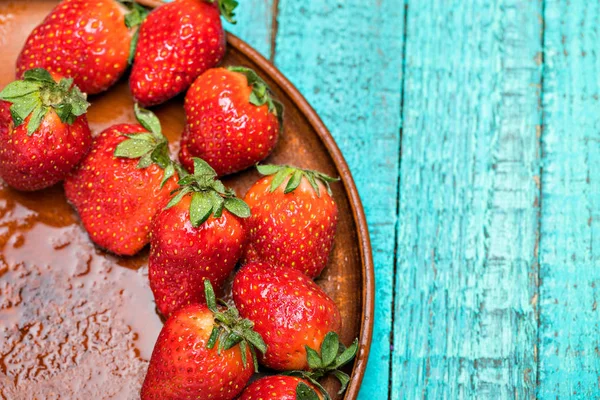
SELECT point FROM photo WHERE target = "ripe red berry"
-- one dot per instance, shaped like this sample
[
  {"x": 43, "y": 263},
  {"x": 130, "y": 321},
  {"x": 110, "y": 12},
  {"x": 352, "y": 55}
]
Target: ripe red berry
[
  {"x": 200, "y": 235},
  {"x": 44, "y": 132},
  {"x": 177, "y": 42},
  {"x": 293, "y": 221},
  {"x": 123, "y": 182},
  {"x": 232, "y": 120},
  {"x": 289, "y": 311},
  {"x": 202, "y": 352},
  {"x": 88, "y": 41},
  {"x": 281, "y": 387}
]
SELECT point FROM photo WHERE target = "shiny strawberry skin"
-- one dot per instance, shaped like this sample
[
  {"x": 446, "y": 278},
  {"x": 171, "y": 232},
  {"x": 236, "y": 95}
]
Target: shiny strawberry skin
[
  {"x": 181, "y": 367},
  {"x": 115, "y": 200},
  {"x": 81, "y": 39},
  {"x": 178, "y": 41},
  {"x": 275, "y": 387},
  {"x": 44, "y": 158},
  {"x": 182, "y": 256},
  {"x": 223, "y": 127},
  {"x": 295, "y": 230},
  {"x": 289, "y": 311}
]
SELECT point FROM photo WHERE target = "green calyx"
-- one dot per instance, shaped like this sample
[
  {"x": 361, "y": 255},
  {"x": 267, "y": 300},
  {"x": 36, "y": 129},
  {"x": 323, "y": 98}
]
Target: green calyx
[
  {"x": 230, "y": 329},
  {"x": 261, "y": 93},
  {"x": 334, "y": 355},
  {"x": 150, "y": 148},
  {"x": 209, "y": 195},
  {"x": 282, "y": 172},
  {"x": 37, "y": 93},
  {"x": 227, "y": 9},
  {"x": 305, "y": 392},
  {"x": 137, "y": 14}
]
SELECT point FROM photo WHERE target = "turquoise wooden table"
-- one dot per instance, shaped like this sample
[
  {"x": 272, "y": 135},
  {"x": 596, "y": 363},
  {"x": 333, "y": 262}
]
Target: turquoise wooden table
[{"x": 472, "y": 129}]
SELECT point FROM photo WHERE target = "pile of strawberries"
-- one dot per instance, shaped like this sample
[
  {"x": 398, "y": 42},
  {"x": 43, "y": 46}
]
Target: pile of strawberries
[{"x": 129, "y": 191}]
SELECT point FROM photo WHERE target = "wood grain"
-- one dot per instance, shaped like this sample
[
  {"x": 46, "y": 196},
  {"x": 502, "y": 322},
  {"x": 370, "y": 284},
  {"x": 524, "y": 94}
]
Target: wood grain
[
  {"x": 570, "y": 228},
  {"x": 345, "y": 58},
  {"x": 465, "y": 321}
]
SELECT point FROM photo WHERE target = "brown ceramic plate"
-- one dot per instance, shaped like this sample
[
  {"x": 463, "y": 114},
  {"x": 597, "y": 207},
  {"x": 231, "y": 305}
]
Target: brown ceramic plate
[{"x": 76, "y": 322}]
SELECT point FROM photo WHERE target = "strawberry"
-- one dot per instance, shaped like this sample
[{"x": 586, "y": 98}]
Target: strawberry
[
  {"x": 294, "y": 218},
  {"x": 44, "y": 132},
  {"x": 202, "y": 352},
  {"x": 232, "y": 120},
  {"x": 289, "y": 311},
  {"x": 200, "y": 235},
  {"x": 281, "y": 388},
  {"x": 177, "y": 42},
  {"x": 88, "y": 41},
  {"x": 123, "y": 182}
]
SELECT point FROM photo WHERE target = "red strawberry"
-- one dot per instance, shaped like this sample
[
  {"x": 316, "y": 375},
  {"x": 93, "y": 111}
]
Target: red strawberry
[
  {"x": 178, "y": 41},
  {"x": 85, "y": 40},
  {"x": 44, "y": 132},
  {"x": 281, "y": 388},
  {"x": 293, "y": 220},
  {"x": 127, "y": 177},
  {"x": 232, "y": 120},
  {"x": 202, "y": 353},
  {"x": 200, "y": 235},
  {"x": 289, "y": 311}
]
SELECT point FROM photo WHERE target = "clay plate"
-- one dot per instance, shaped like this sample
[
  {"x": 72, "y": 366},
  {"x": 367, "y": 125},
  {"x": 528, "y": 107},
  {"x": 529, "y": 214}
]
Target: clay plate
[{"x": 76, "y": 322}]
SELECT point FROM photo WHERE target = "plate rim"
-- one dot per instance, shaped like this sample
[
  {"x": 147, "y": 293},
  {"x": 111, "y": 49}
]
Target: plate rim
[{"x": 366, "y": 254}]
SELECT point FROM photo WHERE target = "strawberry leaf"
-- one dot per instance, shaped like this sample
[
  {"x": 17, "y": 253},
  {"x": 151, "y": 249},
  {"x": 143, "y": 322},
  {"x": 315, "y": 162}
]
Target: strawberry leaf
[
  {"x": 169, "y": 172},
  {"x": 133, "y": 148},
  {"x": 281, "y": 172},
  {"x": 37, "y": 93},
  {"x": 147, "y": 119},
  {"x": 305, "y": 392},
  {"x": 244, "y": 350},
  {"x": 227, "y": 8},
  {"x": 294, "y": 182},
  {"x": 268, "y": 169},
  {"x": 177, "y": 198},
  {"x": 201, "y": 167},
  {"x": 39, "y": 75},
  {"x": 21, "y": 109},
  {"x": 200, "y": 208},
  {"x": 347, "y": 355},
  {"x": 37, "y": 115},
  {"x": 314, "y": 360},
  {"x": 218, "y": 203},
  {"x": 17, "y": 89},
  {"x": 209, "y": 293},
  {"x": 343, "y": 378},
  {"x": 279, "y": 177},
  {"x": 237, "y": 207},
  {"x": 329, "y": 348},
  {"x": 212, "y": 340},
  {"x": 136, "y": 16},
  {"x": 261, "y": 93}
]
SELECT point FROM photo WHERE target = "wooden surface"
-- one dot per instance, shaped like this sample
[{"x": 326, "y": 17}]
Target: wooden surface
[{"x": 486, "y": 230}]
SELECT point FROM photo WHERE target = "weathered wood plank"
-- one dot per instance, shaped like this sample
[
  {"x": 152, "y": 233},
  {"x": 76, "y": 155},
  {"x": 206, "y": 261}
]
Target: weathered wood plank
[
  {"x": 570, "y": 220},
  {"x": 465, "y": 318},
  {"x": 345, "y": 57}
]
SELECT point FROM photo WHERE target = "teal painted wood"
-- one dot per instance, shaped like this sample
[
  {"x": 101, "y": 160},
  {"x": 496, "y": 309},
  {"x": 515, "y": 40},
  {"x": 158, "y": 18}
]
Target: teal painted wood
[
  {"x": 345, "y": 57},
  {"x": 465, "y": 317},
  {"x": 570, "y": 224},
  {"x": 254, "y": 24}
]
